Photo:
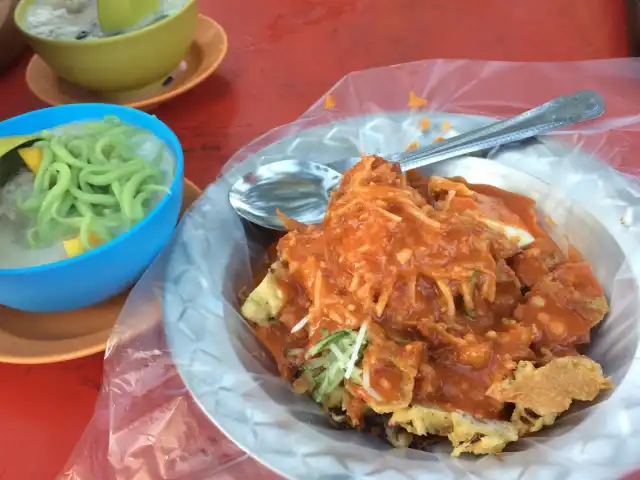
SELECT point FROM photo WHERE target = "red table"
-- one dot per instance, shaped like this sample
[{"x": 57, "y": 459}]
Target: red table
[{"x": 284, "y": 54}]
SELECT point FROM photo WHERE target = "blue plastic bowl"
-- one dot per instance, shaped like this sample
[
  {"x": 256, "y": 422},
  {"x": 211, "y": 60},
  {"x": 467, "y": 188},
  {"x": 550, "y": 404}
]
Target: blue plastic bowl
[{"x": 113, "y": 267}]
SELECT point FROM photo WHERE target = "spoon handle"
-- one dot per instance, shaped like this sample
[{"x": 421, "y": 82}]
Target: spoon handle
[{"x": 557, "y": 113}]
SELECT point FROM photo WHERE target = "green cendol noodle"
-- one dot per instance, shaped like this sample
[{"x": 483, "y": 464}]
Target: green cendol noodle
[{"x": 91, "y": 182}]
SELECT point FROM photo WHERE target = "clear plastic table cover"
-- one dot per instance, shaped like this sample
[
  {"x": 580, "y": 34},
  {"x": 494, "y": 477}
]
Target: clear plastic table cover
[{"x": 182, "y": 316}]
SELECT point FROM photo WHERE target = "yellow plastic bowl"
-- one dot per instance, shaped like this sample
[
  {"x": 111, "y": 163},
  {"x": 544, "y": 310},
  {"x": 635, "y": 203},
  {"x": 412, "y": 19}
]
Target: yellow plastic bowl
[{"x": 120, "y": 63}]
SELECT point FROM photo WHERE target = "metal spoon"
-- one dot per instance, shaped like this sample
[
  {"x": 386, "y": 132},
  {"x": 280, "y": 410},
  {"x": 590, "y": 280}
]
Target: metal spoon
[{"x": 301, "y": 189}]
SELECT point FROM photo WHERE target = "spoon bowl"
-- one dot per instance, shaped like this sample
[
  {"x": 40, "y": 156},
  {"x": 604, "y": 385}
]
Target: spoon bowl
[{"x": 298, "y": 188}]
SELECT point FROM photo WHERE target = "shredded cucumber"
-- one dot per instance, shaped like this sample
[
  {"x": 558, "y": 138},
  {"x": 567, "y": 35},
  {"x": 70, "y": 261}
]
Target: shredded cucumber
[
  {"x": 332, "y": 358},
  {"x": 320, "y": 362},
  {"x": 328, "y": 340}
]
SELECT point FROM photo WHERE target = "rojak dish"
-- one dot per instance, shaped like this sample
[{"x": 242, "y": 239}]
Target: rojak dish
[{"x": 426, "y": 307}]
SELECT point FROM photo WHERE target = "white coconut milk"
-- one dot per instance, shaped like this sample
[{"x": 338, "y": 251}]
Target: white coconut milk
[{"x": 78, "y": 19}]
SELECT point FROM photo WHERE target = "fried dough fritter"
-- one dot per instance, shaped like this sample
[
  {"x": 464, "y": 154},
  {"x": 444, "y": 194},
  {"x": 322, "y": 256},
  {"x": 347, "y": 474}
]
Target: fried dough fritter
[{"x": 549, "y": 390}]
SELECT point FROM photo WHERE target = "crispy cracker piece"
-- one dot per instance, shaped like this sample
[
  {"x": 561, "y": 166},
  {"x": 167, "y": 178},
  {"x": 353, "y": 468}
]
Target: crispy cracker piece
[
  {"x": 550, "y": 389},
  {"x": 480, "y": 437},
  {"x": 403, "y": 360},
  {"x": 537, "y": 260},
  {"x": 527, "y": 421},
  {"x": 564, "y": 305},
  {"x": 466, "y": 433},
  {"x": 265, "y": 302},
  {"x": 422, "y": 420},
  {"x": 490, "y": 211}
]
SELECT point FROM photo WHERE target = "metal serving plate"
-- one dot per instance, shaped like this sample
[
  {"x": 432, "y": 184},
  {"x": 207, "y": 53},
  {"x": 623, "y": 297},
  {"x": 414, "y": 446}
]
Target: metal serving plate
[{"x": 233, "y": 379}]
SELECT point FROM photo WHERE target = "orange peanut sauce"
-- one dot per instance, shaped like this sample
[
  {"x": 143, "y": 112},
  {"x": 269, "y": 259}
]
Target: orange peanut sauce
[{"x": 450, "y": 305}]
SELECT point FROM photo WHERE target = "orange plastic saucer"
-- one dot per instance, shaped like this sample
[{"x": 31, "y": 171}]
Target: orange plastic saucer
[{"x": 207, "y": 51}]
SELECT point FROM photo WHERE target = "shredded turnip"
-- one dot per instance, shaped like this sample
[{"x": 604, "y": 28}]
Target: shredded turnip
[
  {"x": 356, "y": 350},
  {"x": 300, "y": 325},
  {"x": 367, "y": 386}
]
